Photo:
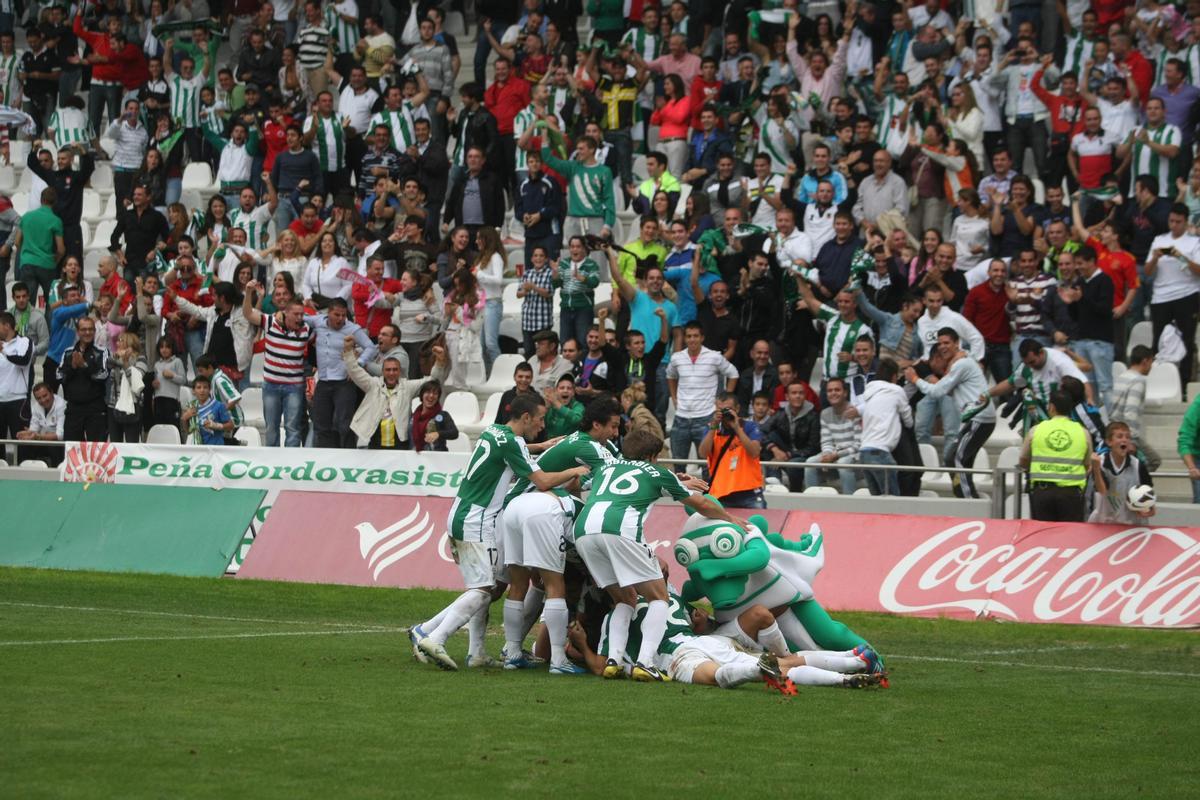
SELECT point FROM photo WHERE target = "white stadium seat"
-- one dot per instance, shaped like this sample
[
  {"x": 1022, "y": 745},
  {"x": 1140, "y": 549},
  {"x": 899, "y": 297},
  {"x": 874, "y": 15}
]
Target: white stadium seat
[
  {"x": 163, "y": 434},
  {"x": 461, "y": 444},
  {"x": 1142, "y": 333},
  {"x": 198, "y": 175},
  {"x": 103, "y": 235},
  {"x": 102, "y": 179},
  {"x": 489, "y": 415},
  {"x": 252, "y": 407},
  {"x": 820, "y": 490},
  {"x": 20, "y": 201},
  {"x": 462, "y": 407},
  {"x": 248, "y": 436},
  {"x": 1163, "y": 385},
  {"x": 8, "y": 179},
  {"x": 92, "y": 207},
  {"x": 502, "y": 375},
  {"x": 512, "y": 303}
]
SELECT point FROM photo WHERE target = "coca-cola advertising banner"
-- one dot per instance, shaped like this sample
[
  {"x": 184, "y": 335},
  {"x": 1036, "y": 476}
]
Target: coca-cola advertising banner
[{"x": 1017, "y": 570}]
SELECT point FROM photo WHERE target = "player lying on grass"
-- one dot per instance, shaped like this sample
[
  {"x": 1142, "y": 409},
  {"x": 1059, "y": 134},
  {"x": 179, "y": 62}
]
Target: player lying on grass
[
  {"x": 499, "y": 456},
  {"x": 691, "y": 652},
  {"x": 537, "y": 532},
  {"x": 609, "y": 539}
]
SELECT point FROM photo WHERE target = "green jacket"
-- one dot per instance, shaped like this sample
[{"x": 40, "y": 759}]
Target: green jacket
[
  {"x": 577, "y": 294},
  {"x": 607, "y": 15},
  {"x": 589, "y": 189},
  {"x": 561, "y": 421},
  {"x": 1189, "y": 431}
]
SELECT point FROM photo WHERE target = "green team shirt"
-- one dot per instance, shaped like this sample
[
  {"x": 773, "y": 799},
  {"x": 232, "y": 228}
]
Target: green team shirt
[
  {"x": 679, "y": 627},
  {"x": 226, "y": 392},
  {"x": 839, "y": 338},
  {"x": 589, "y": 188},
  {"x": 330, "y": 141},
  {"x": 185, "y": 99},
  {"x": 577, "y": 450},
  {"x": 622, "y": 493},
  {"x": 499, "y": 457},
  {"x": 1043, "y": 382},
  {"x": 254, "y": 222},
  {"x": 521, "y": 123},
  {"x": 400, "y": 123},
  {"x": 577, "y": 293}
]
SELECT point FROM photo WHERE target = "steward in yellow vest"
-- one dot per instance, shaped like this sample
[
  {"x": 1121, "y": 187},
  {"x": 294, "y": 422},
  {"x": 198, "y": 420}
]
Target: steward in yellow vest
[{"x": 1058, "y": 455}]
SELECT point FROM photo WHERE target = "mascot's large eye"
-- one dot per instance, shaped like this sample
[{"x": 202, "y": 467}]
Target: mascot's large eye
[
  {"x": 686, "y": 552},
  {"x": 726, "y": 542}
]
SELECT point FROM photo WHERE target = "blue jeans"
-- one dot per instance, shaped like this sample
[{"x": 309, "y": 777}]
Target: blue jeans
[
  {"x": 98, "y": 98},
  {"x": 999, "y": 360},
  {"x": 1196, "y": 492},
  {"x": 574, "y": 323},
  {"x": 174, "y": 190},
  {"x": 883, "y": 481},
  {"x": 748, "y": 498},
  {"x": 622, "y": 141},
  {"x": 1100, "y": 354},
  {"x": 493, "y": 312},
  {"x": 286, "y": 400},
  {"x": 686, "y": 432},
  {"x": 928, "y": 409},
  {"x": 662, "y": 393},
  {"x": 193, "y": 340},
  {"x": 847, "y": 478}
]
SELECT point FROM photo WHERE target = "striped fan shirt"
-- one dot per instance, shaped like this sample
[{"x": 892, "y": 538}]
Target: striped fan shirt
[
  {"x": 840, "y": 336},
  {"x": 225, "y": 392},
  {"x": 10, "y": 87},
  {"x": 400, "y": 123},
  {"x": 1148, "y": 162},
  {"x": 521, "y": 123},
  {"x": 345, "y": 34},
  {"x": 185, "y": 100},
  {"x": 254, "y": 222},
  {"x": 284, "y": 359},
  {"x": 330, "y": 142},
  {"x": 314, "y": 42},
  {"x": 70, "y": 126}
]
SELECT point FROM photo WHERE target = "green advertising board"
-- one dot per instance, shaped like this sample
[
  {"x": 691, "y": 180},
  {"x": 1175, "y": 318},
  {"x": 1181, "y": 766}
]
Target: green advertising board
[{"x": 123, "y": 528}]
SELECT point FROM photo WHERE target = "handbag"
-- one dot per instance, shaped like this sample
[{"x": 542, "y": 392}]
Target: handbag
[{"x": 914, "y": 194}]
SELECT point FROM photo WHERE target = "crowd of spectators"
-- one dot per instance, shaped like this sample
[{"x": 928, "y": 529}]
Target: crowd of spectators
[{"x": 924, "y": 206}]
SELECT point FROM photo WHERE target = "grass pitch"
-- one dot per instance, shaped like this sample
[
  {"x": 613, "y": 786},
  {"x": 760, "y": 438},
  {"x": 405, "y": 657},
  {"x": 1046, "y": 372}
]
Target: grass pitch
[{"x": 137, "y": 686}]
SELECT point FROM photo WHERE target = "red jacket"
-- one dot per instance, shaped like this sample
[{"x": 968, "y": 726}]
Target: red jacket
[
  {"x": 703, "y": 92},
  {"x": 1143, "y": 74},
  {"x": 118, "y": 289},
  {"x": 985, "y": 308},
  {"x": 1066, "y": 116},
  {"x": 126, "y": 64},
  {"x": 506, "y": 101},
  {"x": 373, "y": 318}
]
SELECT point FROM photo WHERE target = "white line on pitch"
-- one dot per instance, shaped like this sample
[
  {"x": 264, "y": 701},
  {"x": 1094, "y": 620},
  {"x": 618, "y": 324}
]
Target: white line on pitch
[
  {"x": 1055, "y": 649},
  {"x": 1053, "y": 667},
  {"x": 251, "y": 635},
  {"x": 143, "y": 612}
]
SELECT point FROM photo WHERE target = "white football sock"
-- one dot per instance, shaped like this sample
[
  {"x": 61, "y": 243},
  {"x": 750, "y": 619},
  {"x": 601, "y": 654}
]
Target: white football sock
[
  {"x": 556, "y": 627},
  {"x": 773, "y": 640},
  {"x": 431, "y": 625},
  {"x": 794, "y": 631},
  {"x": 455, "y": 615},
  {"x": 477, "y": 630},
  {"x": 654, "y": 627},
  {"x": 535, "y": 598},
  {"x": 733, "y": 675},
  {"x": 824, "y": 659},
  {"x": 812, "y": 676},
  {"x": 743, "y": 638},
  {"x": 618, "y": 631},
  {"x": 513, "y": 627}
]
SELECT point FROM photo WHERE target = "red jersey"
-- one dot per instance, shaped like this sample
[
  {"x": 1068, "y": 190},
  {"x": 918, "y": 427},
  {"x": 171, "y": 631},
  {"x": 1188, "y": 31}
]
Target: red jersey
[
  {"x": 703, "y": 92},
  {"x": 190, "y": 293},
  {"x": 1119, "y": 266},
  {"x": 297, "y": 227},
  {"x": 118, "y": 289},
  {"x": 1066, "y": 116},
  {"x": 1095, "y": 155},
  {"x": 505, "y": 102},
  {"x": 373, "y": 318},
  {"x": 274, "y": 138},
  {"x": 780, "y": 398}
]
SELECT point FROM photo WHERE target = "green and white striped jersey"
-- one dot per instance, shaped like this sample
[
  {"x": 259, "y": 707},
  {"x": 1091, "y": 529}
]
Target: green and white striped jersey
[
  {"x": 345, "y": 34},
  {"x": 1147, "y": 162},
  {"x": 622, "y": 493},
  {"x": 330, "y": 142},
  {"x": 185, "y": 99},
  {"x": 499, "y": 457},
  {"x": 1042, "y": 382},
  {"x": 772, "y": 141},
  {"x": 577, "y": 450},
  {"x": 521, "y": 123},
  {"x": 70, "y": 126},
  {"x": 254, "y": 222},
  {"x": 400, "y": 123},
  {"x": 679, "y": 628},
  {"x": 225, "y": 392},
  {"x": 10, "y": 87},
  {"x": 839, "y": 338}
]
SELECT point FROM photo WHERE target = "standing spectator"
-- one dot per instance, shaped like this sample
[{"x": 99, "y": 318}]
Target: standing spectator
[
  {"x": 721, "y": 331},
  {"x": 437, "y": 66},
  {"x": 1092, "y": 152},
  {"x": 1024, "y": 112},
  {"x": 126, "y": 388},
  {"x": 31, "y": 321},
  {"x": 881, "y": 192},
  {"x": 732, "y": 447},
  {"x": 473, "y": 126},
  {"x": 83, "y": 374},
  {"x": 794, "y": 434},
  {"x": 489, "y": 271},
  {"x": 296, "y": 176},
  {"x": 316, "y": 46},
  {"x": 49, "y": 413},
  {"x": 1091, "y": 306},
  {"x": 987, "y": 309},
  {"x": 185, "y": 97},
  {"x": 833, "y": 258},
  {"x": 1188, "y": 445},
  {"x": 228, "y": 334},
  {"x": 706, "y": 148},
  {"x": 258, "y": 63},
  {"x": 1174, "y": 265},
  {"x": 1058, "y": 454},
  {"x": 1151, "y": 149},
  {"x": 1179, "y": 98},
  {"x": 16, "y": 357},
  {"x": 62, "y": 333},
  {"x": 1065, "y": 109},
  {"x": 206, "y": 420},
  {"x": 325, "y": 133},
  {"x": 578, "y": 276},
  {"x": 1122, "y": 471},
  {"x": 694, "y": 376},
  {"x": 334, "y": 398},
  {"x": 760, "y": 376},
  {"x": 476, "y": 199},
  {"x": 68, "y": 190},
  {"x": 537, "y": 293},
  {"x": 355, "y": 103},
  {"x": 884, "y": 410},
  {"x": 970, "y": 233},
  {"x": 388, "y": 346},
  {"x": 538, "y": 205},
  {"x": 842, "y": 329},
  {"x": 673, "y": 118},
  {"x": 433, "y": 166},
  {"x": 382, "y": 417},
  {"x": 840, "y": 438},
  {"x": 42, "y": 67},
  {"x": 591, "y": 208},
  {"x": 169, "y": 376},
  {"x": 643, "y": 302},
  {"x": 40, "y": 240},
  {"x": 141, "y": 227},
  {"x": 1016, "y": 218},
  {"x": 286, "y": 335},
  {"x": 506, "y": 98},
  {"x": 1128, "y": 398}
]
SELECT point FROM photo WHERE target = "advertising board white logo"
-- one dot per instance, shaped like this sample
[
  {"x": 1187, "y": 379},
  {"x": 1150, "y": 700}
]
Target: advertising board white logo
[
  {"x": 90, "y": 462},
  {"x": 382, "y": 548}
]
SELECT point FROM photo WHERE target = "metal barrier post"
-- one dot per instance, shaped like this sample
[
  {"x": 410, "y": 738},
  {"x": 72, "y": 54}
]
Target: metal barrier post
[{"x": 999, "y": 492}]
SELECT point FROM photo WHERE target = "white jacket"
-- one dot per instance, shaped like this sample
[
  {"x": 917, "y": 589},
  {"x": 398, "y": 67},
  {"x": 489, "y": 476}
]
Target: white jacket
[
  {"x": 883, "y": 407},
  {"x": 375, "y": 399},
  {"x": 969, "y": 336}
]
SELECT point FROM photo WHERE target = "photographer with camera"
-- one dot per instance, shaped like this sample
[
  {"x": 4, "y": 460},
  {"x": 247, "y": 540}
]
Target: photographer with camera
[{"x": 732, "y": 447}]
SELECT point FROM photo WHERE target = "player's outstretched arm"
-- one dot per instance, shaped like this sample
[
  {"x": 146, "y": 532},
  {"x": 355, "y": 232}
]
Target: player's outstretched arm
[
  {"x": 548, "y": 480},
  {"x": 707, "y": 508}
]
